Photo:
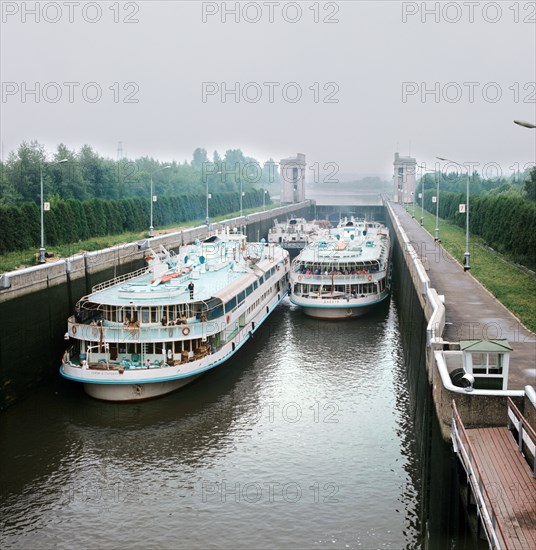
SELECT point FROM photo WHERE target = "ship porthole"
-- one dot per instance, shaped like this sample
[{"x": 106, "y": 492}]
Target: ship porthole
[
  {"x": 138, "y": 389},
  {"x": 348, "y": 312}
]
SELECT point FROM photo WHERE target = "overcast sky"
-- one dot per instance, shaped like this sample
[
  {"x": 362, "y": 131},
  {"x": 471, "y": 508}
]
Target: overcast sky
[{"x": 149, "y": 60}]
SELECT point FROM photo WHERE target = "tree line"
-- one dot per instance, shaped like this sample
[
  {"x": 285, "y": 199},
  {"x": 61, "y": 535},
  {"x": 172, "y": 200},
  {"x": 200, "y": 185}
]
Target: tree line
[
  {"x": 506, "y": 221},
  {"x": 73, "y": 220},
  {"x": 86, "y": 174},
  {"x": 518, "y": 183}
]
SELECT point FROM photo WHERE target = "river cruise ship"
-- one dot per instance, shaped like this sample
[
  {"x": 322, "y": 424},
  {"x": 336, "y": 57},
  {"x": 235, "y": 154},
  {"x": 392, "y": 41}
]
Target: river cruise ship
[
  {"x": 154, "y": 330},
  {"x": 344, "y": 273},
  {"x": 296, "y": 233}
]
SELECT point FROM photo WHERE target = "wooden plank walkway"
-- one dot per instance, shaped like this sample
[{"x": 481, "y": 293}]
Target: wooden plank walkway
[{"x": 510, "y": 484}]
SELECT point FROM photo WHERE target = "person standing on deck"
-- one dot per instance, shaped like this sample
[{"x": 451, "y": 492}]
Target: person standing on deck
[{"x": 191, "y": 289}]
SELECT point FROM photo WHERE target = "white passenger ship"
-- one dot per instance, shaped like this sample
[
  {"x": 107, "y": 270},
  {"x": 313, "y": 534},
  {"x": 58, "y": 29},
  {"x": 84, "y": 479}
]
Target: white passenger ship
[
  {"x": 143, "y": 334},
  {"x": 295, "y": 233},
  {"x": 344, "y": 273}
]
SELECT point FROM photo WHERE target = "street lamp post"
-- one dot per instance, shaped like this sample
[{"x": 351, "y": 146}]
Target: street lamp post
[
  {"x": 467, "y": 255},
  {"x": 413, "y": 204},
  {"x": 151, "y": 228},
  {"x": 421, "y": 166},
  {"x": 424, "y": 171},
  {"x": 207, "y": 222},
  {"x": 42, "y": 247},
  {"x": 436, "y": 238},
  {"x": 525, "y": 124},
  {"x": 264, "y": 199},
  {"x": 241, "y": 198},
  {"x": 207, "y": 219}
]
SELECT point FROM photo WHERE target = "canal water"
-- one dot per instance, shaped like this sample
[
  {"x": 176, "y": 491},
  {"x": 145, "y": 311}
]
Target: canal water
[{"x": 308, "y": 438}]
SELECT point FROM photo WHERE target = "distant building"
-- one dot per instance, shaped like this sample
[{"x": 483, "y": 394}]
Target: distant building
[
  {"x": 292, "y": 174},
  {"x": 404, "y": 179}
]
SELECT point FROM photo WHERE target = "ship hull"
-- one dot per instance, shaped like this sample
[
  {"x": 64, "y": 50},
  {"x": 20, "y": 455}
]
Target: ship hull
[
  {"x": 135, "y": 392},
  {"x": 127, "y": 386},
  {"x": 327, "y": 310},
  {"x": 336, "y": 314}
]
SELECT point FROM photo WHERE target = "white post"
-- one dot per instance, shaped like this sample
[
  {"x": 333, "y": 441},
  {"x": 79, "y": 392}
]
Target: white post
[
  {"x": 42, "y": 248},
  {"x": 151, "y": 228},
  {"x": 437, "y": 211}
]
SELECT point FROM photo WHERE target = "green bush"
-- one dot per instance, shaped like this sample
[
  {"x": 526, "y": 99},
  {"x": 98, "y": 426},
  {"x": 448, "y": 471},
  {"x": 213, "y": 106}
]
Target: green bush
[{"x": 71, "y": 220}]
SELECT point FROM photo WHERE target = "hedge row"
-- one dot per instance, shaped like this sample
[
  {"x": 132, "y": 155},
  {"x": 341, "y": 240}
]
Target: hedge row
[
  {"x": 506, "y": 223},
  {"x": 71, "y": 220}
]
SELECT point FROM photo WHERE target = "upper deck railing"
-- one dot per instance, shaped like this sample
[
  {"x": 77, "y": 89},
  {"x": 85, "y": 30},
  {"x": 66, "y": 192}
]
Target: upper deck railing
[
  {"x": 120, "y": 279},
  {"x": 526, "y": 436}
]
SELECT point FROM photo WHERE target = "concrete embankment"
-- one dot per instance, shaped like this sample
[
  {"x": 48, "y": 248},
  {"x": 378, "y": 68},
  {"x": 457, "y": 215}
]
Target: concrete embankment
[
  {"x": 35, "y": 302},
  {"x": 456, "y": 307}
]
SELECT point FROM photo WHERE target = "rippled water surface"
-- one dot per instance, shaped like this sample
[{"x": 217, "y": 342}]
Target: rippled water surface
[{"x": 302, "y": 440}]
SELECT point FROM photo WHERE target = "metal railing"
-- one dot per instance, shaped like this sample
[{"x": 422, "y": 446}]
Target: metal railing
[
  {"x": 526, "y": 436},
  {"x": 119, "y": 279},
  {"x": 484, "y": 502},
  {"x": 145, "y": 333},
  {"x": 357, "y": 277}
]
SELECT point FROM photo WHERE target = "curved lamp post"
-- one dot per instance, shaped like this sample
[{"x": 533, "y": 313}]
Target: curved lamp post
[
  {"x": 42, "y": 247},
  {"x": 467, "y": 255},
  {"x": 525, "y": 124},
  {"x": 151, "y": 228}
]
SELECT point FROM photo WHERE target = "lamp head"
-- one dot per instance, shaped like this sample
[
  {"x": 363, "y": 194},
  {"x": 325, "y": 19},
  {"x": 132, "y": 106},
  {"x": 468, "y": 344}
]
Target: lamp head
[{"x": 525, "y": 124}]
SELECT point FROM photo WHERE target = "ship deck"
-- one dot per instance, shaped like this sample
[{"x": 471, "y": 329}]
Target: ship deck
[{"x": 144, "y": 289}]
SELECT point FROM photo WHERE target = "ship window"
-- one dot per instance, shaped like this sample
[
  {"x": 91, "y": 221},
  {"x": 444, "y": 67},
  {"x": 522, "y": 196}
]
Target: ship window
[
  {"x": 241, "y": 296},
  {"x": 144, "y": 315},
  {"x": 154, "y": 314},
  {"x": 230, "y": 304}
]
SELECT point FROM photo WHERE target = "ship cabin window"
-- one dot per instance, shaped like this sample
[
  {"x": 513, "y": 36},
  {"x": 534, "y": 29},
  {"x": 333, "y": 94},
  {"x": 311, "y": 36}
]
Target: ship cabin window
[
  {"x": 230, "y": 305},
  {"x": 130, "y": 313},
  {"x": 214, "y": 309},
  {"x": 144, "y": 314},
  {"x": 261, "y": 280},
  {"x": 241, "y": 296},
  {"x": 110, "y": 313},
  {"x": 133, "y": 348}
]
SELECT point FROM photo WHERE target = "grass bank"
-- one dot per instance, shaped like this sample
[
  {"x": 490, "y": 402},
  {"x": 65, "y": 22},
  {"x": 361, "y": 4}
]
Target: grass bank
[
  {"x": 512, "y": 285},
  {"x": 28, "y": 257}
]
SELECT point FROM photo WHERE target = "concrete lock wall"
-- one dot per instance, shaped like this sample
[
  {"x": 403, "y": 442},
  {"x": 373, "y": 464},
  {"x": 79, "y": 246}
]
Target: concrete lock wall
[
  {"x": 35, "y": 302},
  {"x": 476, "y": 410}
]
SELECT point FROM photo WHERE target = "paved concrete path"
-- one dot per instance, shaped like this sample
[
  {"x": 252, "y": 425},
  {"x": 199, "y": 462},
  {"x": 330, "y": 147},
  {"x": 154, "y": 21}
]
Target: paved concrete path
[{"x": 471, "y": 311}]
